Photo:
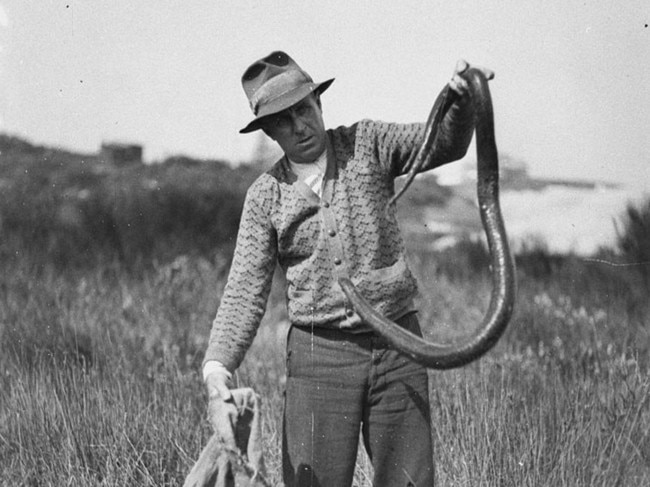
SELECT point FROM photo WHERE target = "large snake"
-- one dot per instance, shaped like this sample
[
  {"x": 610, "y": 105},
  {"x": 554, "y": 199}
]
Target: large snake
[{"x": 447, "y": 356}]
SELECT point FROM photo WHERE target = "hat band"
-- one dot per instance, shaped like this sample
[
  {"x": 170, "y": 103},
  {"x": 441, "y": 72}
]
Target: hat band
[{"x": 277, "y": 87}]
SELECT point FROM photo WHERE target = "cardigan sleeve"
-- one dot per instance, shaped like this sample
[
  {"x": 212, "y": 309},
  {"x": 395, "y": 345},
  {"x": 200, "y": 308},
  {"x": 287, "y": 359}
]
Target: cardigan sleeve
[
  {"x": 397, "y": 144},
  {"x": 249, "y": 283}
]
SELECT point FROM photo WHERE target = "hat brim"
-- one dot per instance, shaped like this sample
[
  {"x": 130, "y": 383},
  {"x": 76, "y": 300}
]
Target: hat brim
[{"x": 285, "y": 101}]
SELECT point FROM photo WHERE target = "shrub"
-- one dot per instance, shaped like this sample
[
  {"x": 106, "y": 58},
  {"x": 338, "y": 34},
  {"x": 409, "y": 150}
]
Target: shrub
[{"x": 634, "y": 239}]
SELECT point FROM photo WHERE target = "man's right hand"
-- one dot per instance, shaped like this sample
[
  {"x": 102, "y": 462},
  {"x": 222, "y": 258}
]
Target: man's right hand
[
  {"x": 222, "y": 411},
  {"x": 218, "y": 380}
]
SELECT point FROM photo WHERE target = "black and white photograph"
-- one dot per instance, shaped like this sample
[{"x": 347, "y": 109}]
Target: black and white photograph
[{"x": 324, "y": 244}]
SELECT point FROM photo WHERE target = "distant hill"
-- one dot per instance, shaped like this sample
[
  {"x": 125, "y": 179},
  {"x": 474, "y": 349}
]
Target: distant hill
[
  {"x": 70, "y": 207},
  {"x": 50, "y": 195}
]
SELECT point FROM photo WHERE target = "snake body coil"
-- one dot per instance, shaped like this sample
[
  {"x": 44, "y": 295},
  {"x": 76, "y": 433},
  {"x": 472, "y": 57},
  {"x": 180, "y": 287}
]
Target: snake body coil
[{"x": 446, "y": 356}]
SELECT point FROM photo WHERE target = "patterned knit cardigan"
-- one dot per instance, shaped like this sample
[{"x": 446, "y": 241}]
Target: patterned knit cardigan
[{"x": 347, "y": 232}]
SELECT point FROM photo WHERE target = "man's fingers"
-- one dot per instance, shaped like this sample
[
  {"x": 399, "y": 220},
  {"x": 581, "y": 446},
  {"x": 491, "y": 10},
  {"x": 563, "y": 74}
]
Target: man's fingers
[
  {"x": 219, "y": 382},
  {"x": 461, "y": 66},
  {"x": 458, "y": 84},
  {"x": 224, "y": 391}
]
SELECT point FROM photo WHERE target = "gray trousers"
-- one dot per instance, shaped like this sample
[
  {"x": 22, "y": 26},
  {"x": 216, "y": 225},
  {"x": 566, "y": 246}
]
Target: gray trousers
[{"x": 340, "y": 384}]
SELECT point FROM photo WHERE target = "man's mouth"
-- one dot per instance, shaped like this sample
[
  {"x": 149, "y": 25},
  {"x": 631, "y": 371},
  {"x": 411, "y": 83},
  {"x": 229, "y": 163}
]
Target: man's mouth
[{"x": 305, "y": 140}]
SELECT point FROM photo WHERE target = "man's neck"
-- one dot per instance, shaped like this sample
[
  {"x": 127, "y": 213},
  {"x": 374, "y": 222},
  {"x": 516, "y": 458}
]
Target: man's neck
[{"x": 321, "y": 159}]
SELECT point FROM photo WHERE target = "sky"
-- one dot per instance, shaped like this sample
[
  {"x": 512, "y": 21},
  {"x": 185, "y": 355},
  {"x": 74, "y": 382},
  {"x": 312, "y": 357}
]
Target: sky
[{"x": 571, "y": 93}]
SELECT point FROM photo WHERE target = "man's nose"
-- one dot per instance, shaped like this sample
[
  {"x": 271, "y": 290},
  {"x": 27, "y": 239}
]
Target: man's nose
[{"x": 298, "y": 123}]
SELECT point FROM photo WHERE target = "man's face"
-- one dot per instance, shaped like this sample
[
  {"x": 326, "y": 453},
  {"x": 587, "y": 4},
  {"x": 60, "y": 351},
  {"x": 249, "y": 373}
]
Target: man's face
[{"x": 299, "y": 130}]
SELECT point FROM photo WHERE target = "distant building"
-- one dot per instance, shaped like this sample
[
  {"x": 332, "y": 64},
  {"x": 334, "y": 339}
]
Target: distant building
[{"x": 121, "y": 154}]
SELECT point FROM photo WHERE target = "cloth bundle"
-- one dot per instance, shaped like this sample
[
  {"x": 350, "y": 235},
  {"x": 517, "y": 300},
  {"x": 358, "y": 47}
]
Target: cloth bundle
[{"x": 235, "y": 461}]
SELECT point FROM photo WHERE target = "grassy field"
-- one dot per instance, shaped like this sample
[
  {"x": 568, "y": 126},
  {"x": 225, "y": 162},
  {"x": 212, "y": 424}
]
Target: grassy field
[
  {"x": 100, "y": 381},
  {"x": 100, "y": 353}
]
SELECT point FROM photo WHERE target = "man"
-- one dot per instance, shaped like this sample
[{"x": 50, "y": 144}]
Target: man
[{"x": 321, "y": 213}]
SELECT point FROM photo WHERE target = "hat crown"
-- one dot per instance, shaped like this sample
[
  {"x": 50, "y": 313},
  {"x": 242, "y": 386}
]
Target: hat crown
[
  {"x": 275, "y": 83},
  {"x": 260, "y": 75}
]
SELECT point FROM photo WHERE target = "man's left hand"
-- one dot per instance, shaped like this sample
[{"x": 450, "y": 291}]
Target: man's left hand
[{"x": 458, "y": 83}]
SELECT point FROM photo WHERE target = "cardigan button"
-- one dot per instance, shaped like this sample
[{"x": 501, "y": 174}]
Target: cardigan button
[
  {"x": 331, "y": 233},
  {"x": 337, "y": 261}
]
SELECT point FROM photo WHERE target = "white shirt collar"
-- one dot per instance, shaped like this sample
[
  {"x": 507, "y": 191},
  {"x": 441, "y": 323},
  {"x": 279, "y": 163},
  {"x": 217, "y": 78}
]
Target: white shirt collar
[{"x": 311, "y": 173}]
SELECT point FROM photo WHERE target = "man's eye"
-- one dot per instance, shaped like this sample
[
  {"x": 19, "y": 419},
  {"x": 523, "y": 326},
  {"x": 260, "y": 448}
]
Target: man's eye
[{"x": 279, "y": 121}]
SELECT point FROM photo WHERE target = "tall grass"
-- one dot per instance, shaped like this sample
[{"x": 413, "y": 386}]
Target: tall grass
[{"x": 100, "y": 381}]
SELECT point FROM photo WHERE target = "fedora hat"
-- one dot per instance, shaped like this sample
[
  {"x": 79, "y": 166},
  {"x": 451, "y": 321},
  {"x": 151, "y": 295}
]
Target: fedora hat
[{"x": 275, "y": 83}]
